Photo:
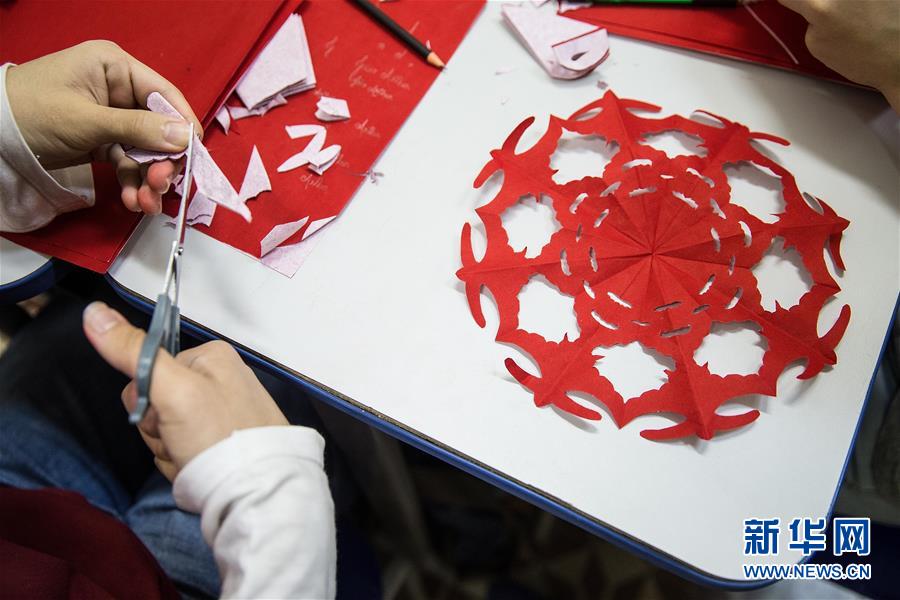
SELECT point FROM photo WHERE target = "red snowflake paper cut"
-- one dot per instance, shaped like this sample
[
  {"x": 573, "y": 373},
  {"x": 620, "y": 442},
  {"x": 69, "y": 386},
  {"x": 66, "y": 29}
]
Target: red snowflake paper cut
[{"x": 655, "y": 249}]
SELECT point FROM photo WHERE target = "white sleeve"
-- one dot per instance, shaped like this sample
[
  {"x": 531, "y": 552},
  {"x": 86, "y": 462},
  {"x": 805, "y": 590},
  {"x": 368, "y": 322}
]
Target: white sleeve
[
  {"x": 266, "y": 511},
  {"x": 30, "y": 197}
]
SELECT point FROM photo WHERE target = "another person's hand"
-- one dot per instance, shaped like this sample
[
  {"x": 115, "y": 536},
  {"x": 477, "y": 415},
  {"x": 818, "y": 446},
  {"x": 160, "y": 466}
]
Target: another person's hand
[
  {"x": 78, "y": 105},
  {"x": 860, "y": 39},
  {"x": 199, "y": 397}
]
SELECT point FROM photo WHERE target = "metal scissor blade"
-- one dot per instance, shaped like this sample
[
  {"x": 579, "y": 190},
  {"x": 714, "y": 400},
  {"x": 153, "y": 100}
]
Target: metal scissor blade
[
  {"x": 166, "y": 322},
  {"x": 171, "y": 282},
  {"x": 185, "y": 189}
]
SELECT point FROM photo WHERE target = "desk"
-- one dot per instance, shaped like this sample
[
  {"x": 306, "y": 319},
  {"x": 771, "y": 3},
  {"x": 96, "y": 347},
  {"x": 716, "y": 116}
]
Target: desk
[
  {"x": 23, "y": 272},
  {"x": 376, "y": 323}
]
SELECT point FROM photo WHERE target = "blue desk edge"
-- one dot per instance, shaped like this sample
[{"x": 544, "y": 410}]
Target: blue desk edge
[{"x": 517, "y": 489}]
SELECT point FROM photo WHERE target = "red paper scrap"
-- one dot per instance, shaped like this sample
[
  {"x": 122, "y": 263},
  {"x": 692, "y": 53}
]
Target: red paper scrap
[{"x": 645, "y": 265}]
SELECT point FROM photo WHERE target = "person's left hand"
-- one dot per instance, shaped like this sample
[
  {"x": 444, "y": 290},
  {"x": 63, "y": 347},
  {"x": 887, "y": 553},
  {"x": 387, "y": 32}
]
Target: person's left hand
[{"x": 78, "y": 105}]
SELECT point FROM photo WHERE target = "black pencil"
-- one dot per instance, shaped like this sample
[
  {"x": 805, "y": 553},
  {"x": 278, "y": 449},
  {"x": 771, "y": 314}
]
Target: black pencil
[{"x": 402, "y": 34}]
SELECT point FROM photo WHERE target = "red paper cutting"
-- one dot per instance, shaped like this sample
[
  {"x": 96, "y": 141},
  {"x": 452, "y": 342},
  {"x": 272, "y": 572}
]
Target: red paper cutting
[{"x": 642, "y": 260}]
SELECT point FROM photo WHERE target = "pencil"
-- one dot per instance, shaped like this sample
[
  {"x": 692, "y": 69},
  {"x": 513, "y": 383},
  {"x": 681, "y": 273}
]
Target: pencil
[{"x": 403, "y": 35}]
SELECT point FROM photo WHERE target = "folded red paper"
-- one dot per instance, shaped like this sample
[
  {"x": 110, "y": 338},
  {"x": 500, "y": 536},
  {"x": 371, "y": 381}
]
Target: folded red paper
[
  {"x": 200, "y": 47},
  {"x": 762, "y": 32}
]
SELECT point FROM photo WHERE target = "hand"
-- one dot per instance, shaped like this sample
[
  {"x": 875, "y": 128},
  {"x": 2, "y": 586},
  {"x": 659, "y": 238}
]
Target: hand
[
  {"x": 77, "y": 105},
  {"x": 860, "y": 39},
  {"x": 199, "y": 397}
]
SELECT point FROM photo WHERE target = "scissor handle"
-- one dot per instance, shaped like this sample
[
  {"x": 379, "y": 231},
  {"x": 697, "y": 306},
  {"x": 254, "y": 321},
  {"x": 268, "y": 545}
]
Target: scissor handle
[{"x": 163, "y": 333}]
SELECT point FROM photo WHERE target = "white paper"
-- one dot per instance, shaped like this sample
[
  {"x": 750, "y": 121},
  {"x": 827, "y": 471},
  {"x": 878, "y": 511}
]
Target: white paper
[{"x": 551, "y": 37}]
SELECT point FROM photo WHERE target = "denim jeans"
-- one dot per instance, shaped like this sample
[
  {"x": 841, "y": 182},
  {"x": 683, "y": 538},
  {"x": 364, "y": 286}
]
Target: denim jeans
[{"x": 62, "y": 425}]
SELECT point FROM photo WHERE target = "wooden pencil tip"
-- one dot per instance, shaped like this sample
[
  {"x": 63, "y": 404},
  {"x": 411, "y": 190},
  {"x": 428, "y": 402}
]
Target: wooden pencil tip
[{"x": 435, "y": 61}]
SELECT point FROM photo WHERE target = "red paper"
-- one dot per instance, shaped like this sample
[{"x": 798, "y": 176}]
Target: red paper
[
  {"x": 202, "y": 48},
  {"x": 724, "y": 31},
  {"x": 656, "y": 253},
  {"x": 355, "y": 60}
]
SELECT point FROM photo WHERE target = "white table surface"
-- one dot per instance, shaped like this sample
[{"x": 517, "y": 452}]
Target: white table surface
[
  {"x": 377, "y": 314},
  {"x": 17, "y": 262}
]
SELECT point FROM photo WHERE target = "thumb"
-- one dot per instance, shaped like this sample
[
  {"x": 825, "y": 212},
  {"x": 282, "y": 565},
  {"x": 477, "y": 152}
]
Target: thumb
[
  {"x": 141, "y": 128},
  {"x": 117, "y": 341}
]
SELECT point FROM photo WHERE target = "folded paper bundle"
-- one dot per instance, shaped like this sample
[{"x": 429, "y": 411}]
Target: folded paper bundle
[{"x": 283, "y": 68}]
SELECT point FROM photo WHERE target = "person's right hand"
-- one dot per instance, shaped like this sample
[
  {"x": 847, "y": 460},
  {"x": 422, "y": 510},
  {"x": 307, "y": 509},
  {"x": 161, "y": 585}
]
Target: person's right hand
[
  {"x": 199, "y": 397},
  {"x": 860, "y": 39}
]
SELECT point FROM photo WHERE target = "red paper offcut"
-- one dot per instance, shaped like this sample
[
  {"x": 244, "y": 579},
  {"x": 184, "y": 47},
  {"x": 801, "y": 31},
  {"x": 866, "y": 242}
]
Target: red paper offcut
[{"x": 656, "y": 253}]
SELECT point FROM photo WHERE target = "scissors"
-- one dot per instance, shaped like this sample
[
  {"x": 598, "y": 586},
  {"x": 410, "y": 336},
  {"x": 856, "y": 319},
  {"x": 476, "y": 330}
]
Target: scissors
[{"x": 166, "y": 321}]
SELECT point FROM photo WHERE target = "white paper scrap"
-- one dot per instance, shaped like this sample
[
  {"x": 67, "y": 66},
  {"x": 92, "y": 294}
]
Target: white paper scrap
[{"x": 332, "y": 109}]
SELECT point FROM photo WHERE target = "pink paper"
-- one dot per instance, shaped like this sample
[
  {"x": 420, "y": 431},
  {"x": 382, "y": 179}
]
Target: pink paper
[
  {"x": 201, "y": 210},
  {"x": 316, "y": 226},
  {"x": 279, "y": 234},
  {"x": 332, "y": 109},
  {"x": 283, "y": 67},
  {"x": 209, "y": 178},
  {"x": 299, "y": 131},
  {"x": 212, "y": 183},
  {"x": 323, "y": 160},
  {"x": 256, "y": 180},
  {"x": 223, "y": 118},
  {"x": 583, "y": 53},
  {"x": 288, "y": 259},
  {"x": 312, "y": 149},
  {"x": 566, "y": 48},
  {"x": 239, "y": 112}
]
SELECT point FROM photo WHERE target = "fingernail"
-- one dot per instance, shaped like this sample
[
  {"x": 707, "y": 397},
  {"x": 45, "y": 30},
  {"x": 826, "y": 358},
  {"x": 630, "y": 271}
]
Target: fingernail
[
  {"x": 100, "y": 318},
  {"x": 177, "y": 133}
]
